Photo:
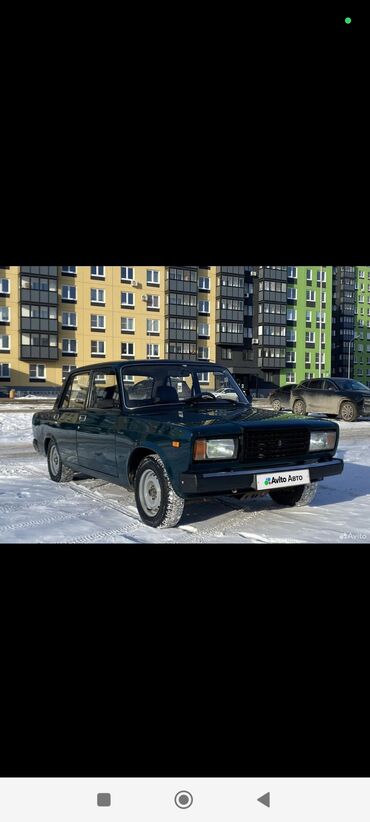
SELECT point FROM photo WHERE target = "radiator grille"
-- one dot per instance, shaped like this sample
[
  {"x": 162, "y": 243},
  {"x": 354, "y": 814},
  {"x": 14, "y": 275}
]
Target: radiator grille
[{"x": 273, "y": 444}]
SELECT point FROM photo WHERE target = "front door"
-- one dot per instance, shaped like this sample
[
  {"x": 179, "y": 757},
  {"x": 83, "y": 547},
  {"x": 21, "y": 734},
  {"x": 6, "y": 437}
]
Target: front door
[{"x": 97, "y": 425}]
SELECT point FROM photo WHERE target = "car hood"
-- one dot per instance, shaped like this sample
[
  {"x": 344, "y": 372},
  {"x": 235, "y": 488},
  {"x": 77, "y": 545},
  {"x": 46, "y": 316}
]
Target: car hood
[{"x": 222, "y": 419}]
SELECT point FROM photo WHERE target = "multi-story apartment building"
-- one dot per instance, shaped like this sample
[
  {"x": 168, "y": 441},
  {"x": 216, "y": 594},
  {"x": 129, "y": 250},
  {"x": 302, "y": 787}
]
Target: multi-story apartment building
[
  {"x": 343, "y": 319},
  {"x": 308, "y": 323},
  {"x": 54, "y": 319},
  {"x": 361, "y": 343},
  {"x": 268, "y": 324}
]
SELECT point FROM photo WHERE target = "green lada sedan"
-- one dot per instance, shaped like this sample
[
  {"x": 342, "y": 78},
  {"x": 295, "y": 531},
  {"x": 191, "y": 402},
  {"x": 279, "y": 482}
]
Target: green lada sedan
[{"x": 173, "y": 431}]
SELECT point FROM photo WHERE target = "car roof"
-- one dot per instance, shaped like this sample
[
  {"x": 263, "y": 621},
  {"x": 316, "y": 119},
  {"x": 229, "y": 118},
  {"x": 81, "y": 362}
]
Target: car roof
[{"x": 201, "y": 364}]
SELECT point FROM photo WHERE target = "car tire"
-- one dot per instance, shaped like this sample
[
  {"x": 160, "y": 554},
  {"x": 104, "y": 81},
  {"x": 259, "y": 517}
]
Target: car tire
[
  {"x": 156, "y": 500},
  {"x": 299, "y": 407},
  {"x": 295, "y": 497},
  {"x": 276, "y": 404},
  {"x": 57, "y": 471},
  {"x": 348, "y": 411}
]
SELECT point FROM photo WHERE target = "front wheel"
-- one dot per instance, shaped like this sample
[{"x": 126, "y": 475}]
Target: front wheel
[
  {"x": 348, "y": 411},
  {"x": 276, "y": 405},
  {"x": 297, "y": 496},
  {"x": 157, "y": 502}
]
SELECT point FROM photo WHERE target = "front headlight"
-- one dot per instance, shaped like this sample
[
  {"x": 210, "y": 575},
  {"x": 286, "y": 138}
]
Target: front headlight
[
  {"x": 322, "y": 440},
  {"x": 215, "y": 449}
]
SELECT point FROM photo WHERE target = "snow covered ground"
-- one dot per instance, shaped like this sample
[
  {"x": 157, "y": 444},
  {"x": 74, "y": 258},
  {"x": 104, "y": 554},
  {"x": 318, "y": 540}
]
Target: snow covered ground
[{"x": 33, "y": 509}]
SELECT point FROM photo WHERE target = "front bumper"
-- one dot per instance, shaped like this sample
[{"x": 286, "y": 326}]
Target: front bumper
[
  {"x": 36, "y": 446},
  {"x": 215, "y": 482}
]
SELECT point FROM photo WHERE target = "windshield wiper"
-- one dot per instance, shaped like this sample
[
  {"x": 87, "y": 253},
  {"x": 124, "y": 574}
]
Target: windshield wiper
[{"x": 195, "y": 400}]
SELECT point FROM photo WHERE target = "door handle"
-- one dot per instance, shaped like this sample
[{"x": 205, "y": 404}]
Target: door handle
[
  {"x": 82, "y": 417},
  {"x": 56, "y": 416}
]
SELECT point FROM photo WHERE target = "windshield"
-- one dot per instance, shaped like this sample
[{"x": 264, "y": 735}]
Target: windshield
[
  {"x": 351, "y": 385},
  {"x": 179, "y": 384}
]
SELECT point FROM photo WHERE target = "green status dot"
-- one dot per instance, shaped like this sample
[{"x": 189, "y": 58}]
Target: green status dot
[{"x": 348, "y": 20}]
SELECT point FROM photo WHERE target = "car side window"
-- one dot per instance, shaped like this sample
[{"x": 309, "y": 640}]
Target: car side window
[
  {"x": 77, "y": 389},
  {"x": 316, "y": 384},
  {"x": 104, "y": 389},
  {"x": 330, "y": 386}
]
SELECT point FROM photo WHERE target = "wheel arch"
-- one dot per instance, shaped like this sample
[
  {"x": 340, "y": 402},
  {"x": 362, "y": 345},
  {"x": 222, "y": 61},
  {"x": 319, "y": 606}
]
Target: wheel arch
[{"x": 136, "y": 456}]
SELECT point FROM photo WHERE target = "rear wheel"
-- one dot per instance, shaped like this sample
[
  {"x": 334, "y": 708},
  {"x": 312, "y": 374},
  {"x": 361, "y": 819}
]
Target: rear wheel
[
  {"x": 348, "y": 411},
  {"x": 157, "y": 502},
  {"x": 276, "y": 404},
  {"x": 57, "y": 471},
  {"x": 299, "y": 408},
  {"x": 297, "y": 496}
]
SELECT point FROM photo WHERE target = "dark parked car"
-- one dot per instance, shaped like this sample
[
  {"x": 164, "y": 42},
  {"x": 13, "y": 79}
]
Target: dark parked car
[
  {"x": 339, "y": 397},
  {"x": 281, "y": 397},
  {"x": 172, "y": 439}
]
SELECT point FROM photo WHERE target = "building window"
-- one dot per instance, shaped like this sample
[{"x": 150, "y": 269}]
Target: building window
[
  {"x": 37, "y": 372},
  {"x": 66, "y": 371},
  {"x": 152, "y": 326},
  {"x": 4, "y": 371},
  {"x": 97, "y": 321},
  {"x": 321, "y": 277},
  {"x": 291, "y": 335},
  {"x": 309, "y": 375},
  {"x": 203, "y": 377},
  {"x": 310, "y": 296},
  {"x": 127, "y": 274},
  {"x": 307, "y": 359},
  {"x": 290, "y": 376},
  {"x": 292, "y": 272},
  {"x": 310, "y": 336},
  {"x": 128, "y": 324},
  {"x": 152, "y": 277},
  {"x": 69, "y": 346},
  {"x": 203, "y": 307},
  {"x": 69, "y": 292},
  {"x": 69, "y": 318},
  {"x": 153, "y": 301},
  {"x": 291, "y": 357},
  {"x": 291, "y": 293},
  {"x": 5, "y": 287},
  {"x": 97, "y": 271},
  {"x": 69, "y": 269},
  {"x": 204, "y": 284},
  {"x": 4, "y": 314},
  {"x": 361, "y": 274},
  {"x": 127, "y": 349},
  {"x": 308, "y": 316},
  {"x": 152, "y": 351},
  {"x": 309, "y": 274},
  {"x": 322, "y": 313},
  {"x": 203, "y": 330},
  {"x": 291, "y": 314},
  {"x": 98, "y": 348},
  {"x": 4, "y": 342},
  {"x": 127, "y": 299},
  {"x": 317, "y": 357},
  {"x": 203, "y": 353},
  {"x": 97, "y": 295}
]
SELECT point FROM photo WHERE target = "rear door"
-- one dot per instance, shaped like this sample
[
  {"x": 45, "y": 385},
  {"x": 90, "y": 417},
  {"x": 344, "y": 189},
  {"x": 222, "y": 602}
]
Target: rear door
[
  {"x": 65, "y": 417},
  {"x": 332, "y": 397},
  {"x": 315, "y": 393},
  {"x": 97, "y": 425}
]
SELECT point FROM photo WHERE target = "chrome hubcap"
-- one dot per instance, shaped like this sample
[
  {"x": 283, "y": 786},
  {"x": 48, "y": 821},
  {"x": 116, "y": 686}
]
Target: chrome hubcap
[
  {"x": 299, "y": 408},
  {"x": 150, "y": 493},
  {"x": 347, "y": 412},
  {"x": 54, "y": 460}
]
